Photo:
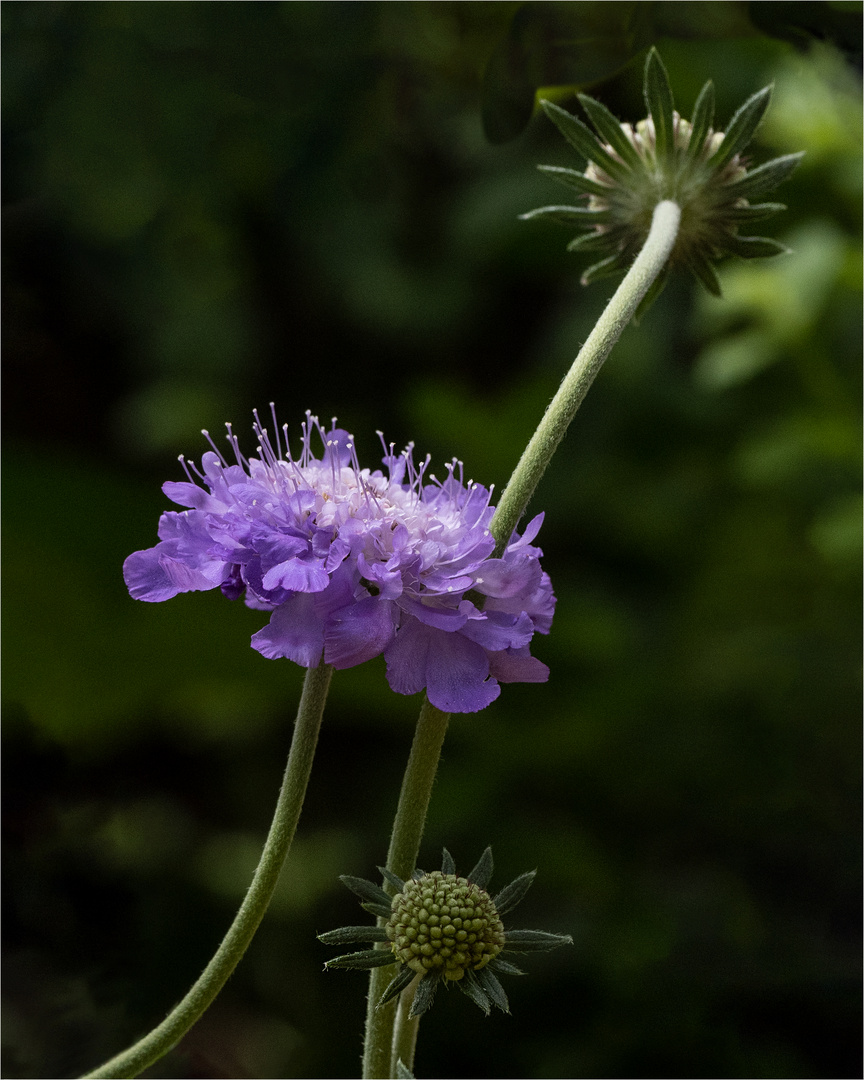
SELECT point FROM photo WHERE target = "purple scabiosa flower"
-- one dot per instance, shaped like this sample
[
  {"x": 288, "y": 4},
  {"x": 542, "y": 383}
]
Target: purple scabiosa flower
[{"x": 353, "y": 563}]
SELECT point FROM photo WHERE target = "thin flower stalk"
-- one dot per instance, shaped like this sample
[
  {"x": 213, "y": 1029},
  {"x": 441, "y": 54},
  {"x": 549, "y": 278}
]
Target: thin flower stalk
[
  {"x": 405, "y": 1031},
  {"x": 408, "y": 825},
  {"x": 386, "y": 1042},
  {"x": 168, "y": 1033},
  {"x": 648, "y": 266}
]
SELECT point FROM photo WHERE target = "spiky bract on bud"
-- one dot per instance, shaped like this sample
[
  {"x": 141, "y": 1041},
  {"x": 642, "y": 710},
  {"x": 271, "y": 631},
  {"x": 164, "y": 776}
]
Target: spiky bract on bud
[
  {"x": 442, "y": 928},
  {"x": 630, "y": 169}
]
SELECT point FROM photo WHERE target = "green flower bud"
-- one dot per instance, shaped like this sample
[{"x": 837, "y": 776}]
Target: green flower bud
[
  {"x": 441, "y": 928},
  {"x": 444, "y": 923},
  {"x": 630, "y": 169}
]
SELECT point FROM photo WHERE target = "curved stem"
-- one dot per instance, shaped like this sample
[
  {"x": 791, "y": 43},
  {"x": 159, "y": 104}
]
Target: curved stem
[
  {"x": 618, "y": 313},
  {"x": 405, "y": 840},
  {"x": 388, "y": 1037},
  {"x": 165, "y": 1036}
]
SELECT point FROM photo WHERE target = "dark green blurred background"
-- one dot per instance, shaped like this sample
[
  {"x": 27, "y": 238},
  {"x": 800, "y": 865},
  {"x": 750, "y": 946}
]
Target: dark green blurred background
[{"x": 210, "y": 206}]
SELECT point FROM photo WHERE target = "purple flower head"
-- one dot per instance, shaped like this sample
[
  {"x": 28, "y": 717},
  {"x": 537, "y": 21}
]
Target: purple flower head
[{"x": 353, "y": 563}]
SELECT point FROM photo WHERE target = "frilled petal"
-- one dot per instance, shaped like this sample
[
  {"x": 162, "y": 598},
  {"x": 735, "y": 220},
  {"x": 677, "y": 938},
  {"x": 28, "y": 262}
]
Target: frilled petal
[
  {"x": 188, "y": 530},
  {"x": 516, "y": 665},
  {"x": 472, "y": 550},
  {"x": 278, "y": 548},
  {"x": 444, "y": 583},
  {"x": 305, "y": 574},
  {"x": 187, "y": 494},
  {"x": 406, "y": 657},
  {"x": 182, "y": 562},
  {"x": 295, "y": 631},
  {"x": 220, "y": 480},
  {"x": 156, "y": 574},
  {"x": 453, "y": 669},
  {"x": 336, "y": 553},
  {"x": 539, "y": 604},
  {"x": 387, "y": 581},
  {"x": 513, "y": 575},
  {"x": 256, "y": 591},
  {"x": 359, "y": 632},
  {"x": 444, "y": 618},
  {"x": 338, "y": 441},
  {"x": 531, "y": 530},
  {"x": 499, "y": 630},
  {"x": 457, "y": 675}
]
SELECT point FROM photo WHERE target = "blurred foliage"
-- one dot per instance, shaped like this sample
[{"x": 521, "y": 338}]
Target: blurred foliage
[
  {"x": 209, "y": 206},
  {"x": 580, "y": 43}
]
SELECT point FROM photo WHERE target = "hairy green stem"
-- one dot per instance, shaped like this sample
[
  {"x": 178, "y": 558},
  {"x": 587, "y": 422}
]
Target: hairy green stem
[
  {"x": 392, "y": 1036},
  {"x": 405, "y": 1031},
  {"x": 166, "y": 1035},
  {"x": 552, "y": 428},
  {"x": 405, "y": 840}
]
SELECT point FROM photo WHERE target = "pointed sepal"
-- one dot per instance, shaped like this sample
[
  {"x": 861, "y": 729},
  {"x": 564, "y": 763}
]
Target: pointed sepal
[
  {"x": 576, "y": 180},
  {"x": 647, "y": 302},
  {"x": 741, "y": 128},
  {"x": 504, "y": 967},
  {"x": 448, "y": 863},
  {"x": 610, "y": 130},
  {"x": 424, "y": 995},
  {"x": 590, "y": 241},
  {"x": 704, "y": 273},
  {"x": 703, "y": 118},
  {"x": 366, "y": 890},
  {"x": 764, "y": 178},
  {"x": 388, "y": 875},
  {"x": 472, "y": 989},
  {"x": 754, "y": 213},
  {"x": 605, "y": 268},
  {"x": 754, "y": 247},
  {"x": 482, "y": 872},
  {"x": 493, "y": 989},
  {"x": 400, "y": 981},
  {"x": 534, "y": 940},
  {"x": 570, "y": 215},
  {"x": 369, "y": 958},
  {"x": 347, "y": 935},
  {"x": 514, "y": 893},
  {"x": 661, "y": 105},
  {"x": 380, "y": 911},
  {"x": 581, "y": 138}
]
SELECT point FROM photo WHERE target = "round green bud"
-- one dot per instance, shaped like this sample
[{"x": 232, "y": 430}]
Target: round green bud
[{"x": 440, "y": 909}]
